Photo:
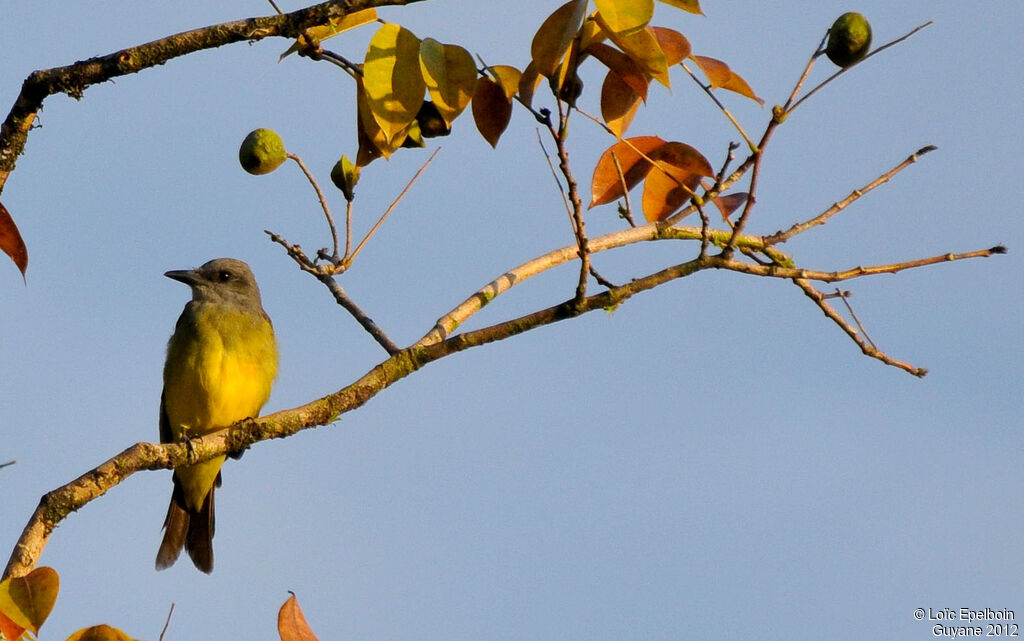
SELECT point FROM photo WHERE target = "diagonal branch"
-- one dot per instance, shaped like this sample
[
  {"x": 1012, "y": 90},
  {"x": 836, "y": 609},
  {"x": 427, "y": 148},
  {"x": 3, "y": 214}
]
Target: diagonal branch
[{"x": 822, "y": 218}]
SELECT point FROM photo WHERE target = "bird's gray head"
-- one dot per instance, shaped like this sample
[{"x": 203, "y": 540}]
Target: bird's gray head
[{"x": 222, "y": 280}]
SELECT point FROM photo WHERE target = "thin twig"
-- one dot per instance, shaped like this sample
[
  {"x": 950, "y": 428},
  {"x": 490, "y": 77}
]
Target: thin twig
[
  {"x": 167, "y": 622},
  {"x": 323, "y": 273},
  {"x": 868, "y": 350},
  {"x": 711, "y": 94},
  {"x": 627, "y": 212},
  {"x": 820, "y": 219},
  {"x": 323, "y": 203},
  {"x": 576, "y": 212},
  {"x": 348, "y": 259},
  {"x": 860, "y": 327},
  {"x": 845, "y": 69},
  {"x": 348, "y": 227},
  {"x": 601, "y": 280},
  {"x": 807, "y": 71},
  {"x": 11, "y": 462},
  {"x": 554, "y": 174}
]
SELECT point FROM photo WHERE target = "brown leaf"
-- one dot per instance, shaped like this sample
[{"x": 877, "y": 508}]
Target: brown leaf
[
  {"x": 674, "y": 44},
  {"x": 730, "y": 203},
  {"x": 606, "y": 186},
  {"x": 492, "y": 110},
  {"x": 552, "y": 40},
  {"x": 720, "y": 75},
  {"x": 627, "y": 70},
  {"x": 618, "y": 103},
  {"x": 667, "y": 188},
  {"x": 291, "y": 624},
  {"x": 11, "y": 242}
]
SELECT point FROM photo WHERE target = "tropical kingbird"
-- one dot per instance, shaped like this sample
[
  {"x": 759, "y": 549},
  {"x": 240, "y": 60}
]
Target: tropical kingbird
[{"x": 221, "y": 362}]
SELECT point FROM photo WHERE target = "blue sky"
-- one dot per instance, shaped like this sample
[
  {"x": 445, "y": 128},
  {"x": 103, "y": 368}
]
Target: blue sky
[{"x": 715, "y": 459}]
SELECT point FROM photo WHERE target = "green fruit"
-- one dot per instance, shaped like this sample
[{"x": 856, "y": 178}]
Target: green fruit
[
  {"x": 849, "y": 39},
  {"x": 345, "y": 175},
  {"x": 261, "y": 152}
]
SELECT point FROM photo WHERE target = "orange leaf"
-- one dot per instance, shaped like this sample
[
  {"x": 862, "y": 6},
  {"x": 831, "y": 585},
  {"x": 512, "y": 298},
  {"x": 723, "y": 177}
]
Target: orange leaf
[
  {"x": 673, "y": 43},
  {"x": 618, "y": 103},
  {"x": 555, "y": 35},
  {"x": 730, "y": 203},
  {"x": 291, "y": 624},
  {"x": 393, "y": 81},
  {"x": 606, "y": 186},
  {"x": 27, "y": 600},
  {"x": 666, "y": 189},
  {"x": 11, "y": 242},
  {"x": 11, "y": 630},
  {"x": 720, "y": 75},
  {"x": 693, "y": 6},
  {"x": 627, "y": 70},
  {"x": 99, "y": 633},
  {"x": 492, "y": 110}
]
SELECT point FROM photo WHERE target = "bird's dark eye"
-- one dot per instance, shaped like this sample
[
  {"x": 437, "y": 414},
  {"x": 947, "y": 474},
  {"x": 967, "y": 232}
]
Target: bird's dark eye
[{"x": 224, "y": 276}]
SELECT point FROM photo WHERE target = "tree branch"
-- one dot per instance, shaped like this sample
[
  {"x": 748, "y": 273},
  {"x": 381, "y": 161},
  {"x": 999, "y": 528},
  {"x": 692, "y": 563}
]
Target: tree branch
[{"x": 74, "y": 79}]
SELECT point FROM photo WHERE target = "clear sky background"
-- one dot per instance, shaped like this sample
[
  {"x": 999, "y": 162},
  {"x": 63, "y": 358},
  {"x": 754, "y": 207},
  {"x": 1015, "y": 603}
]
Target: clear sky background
[{"x": 715, "y": 459}]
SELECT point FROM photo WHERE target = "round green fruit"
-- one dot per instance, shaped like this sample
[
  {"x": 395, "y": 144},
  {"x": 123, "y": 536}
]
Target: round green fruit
[
  {"x": 849, "y": 39},
  {"x": 261, "y": 152}
]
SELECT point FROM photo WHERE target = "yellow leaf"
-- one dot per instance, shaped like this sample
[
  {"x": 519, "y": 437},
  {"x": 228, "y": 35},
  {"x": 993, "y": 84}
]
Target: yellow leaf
[
  {"x": 508, "y": 77},
  {"x": 450, "y": 75},
  {"x": 333, "y": 28},
  {"x": 642, "y": 46},
  {"x": 27, "y": 600},
  {"x": 555, "y": 35},
  {"x": 667, "y": 188},
  {"x": 291, "y": 623},
  {"x": 606, "y": 186},
  {"x": 99, "y": 633},
  {"x": 492, "y": 110},
  {"x": 693, "y": 6},
  {"x": 372, "y": 142},
  {"x": 528, "y": 84},
  {"x": 591, "y": 32},
  {"x": 393, "y": 80},
  {"x": 618, "y": 103},
  {"x": 625, "y": 16},
  {"x": 720, "y": 75}
]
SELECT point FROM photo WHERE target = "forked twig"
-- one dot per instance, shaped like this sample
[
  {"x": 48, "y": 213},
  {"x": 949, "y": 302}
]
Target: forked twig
[
  {"x": 865, "y": 347},
  {"x": 824, "y": 82},
  {"x": 349, "y": 258}
]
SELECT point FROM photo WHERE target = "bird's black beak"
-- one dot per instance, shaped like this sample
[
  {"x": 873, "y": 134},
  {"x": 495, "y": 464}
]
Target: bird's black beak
[{"x": 187, "y": 276}]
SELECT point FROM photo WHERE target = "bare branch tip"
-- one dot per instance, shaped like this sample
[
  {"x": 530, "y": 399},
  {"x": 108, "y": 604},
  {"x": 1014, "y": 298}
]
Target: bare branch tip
[{"x": 999, "y": 249}]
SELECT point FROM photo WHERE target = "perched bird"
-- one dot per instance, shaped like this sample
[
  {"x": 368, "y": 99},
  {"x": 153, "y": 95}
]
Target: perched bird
[{"x": 221, "y": 362}]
